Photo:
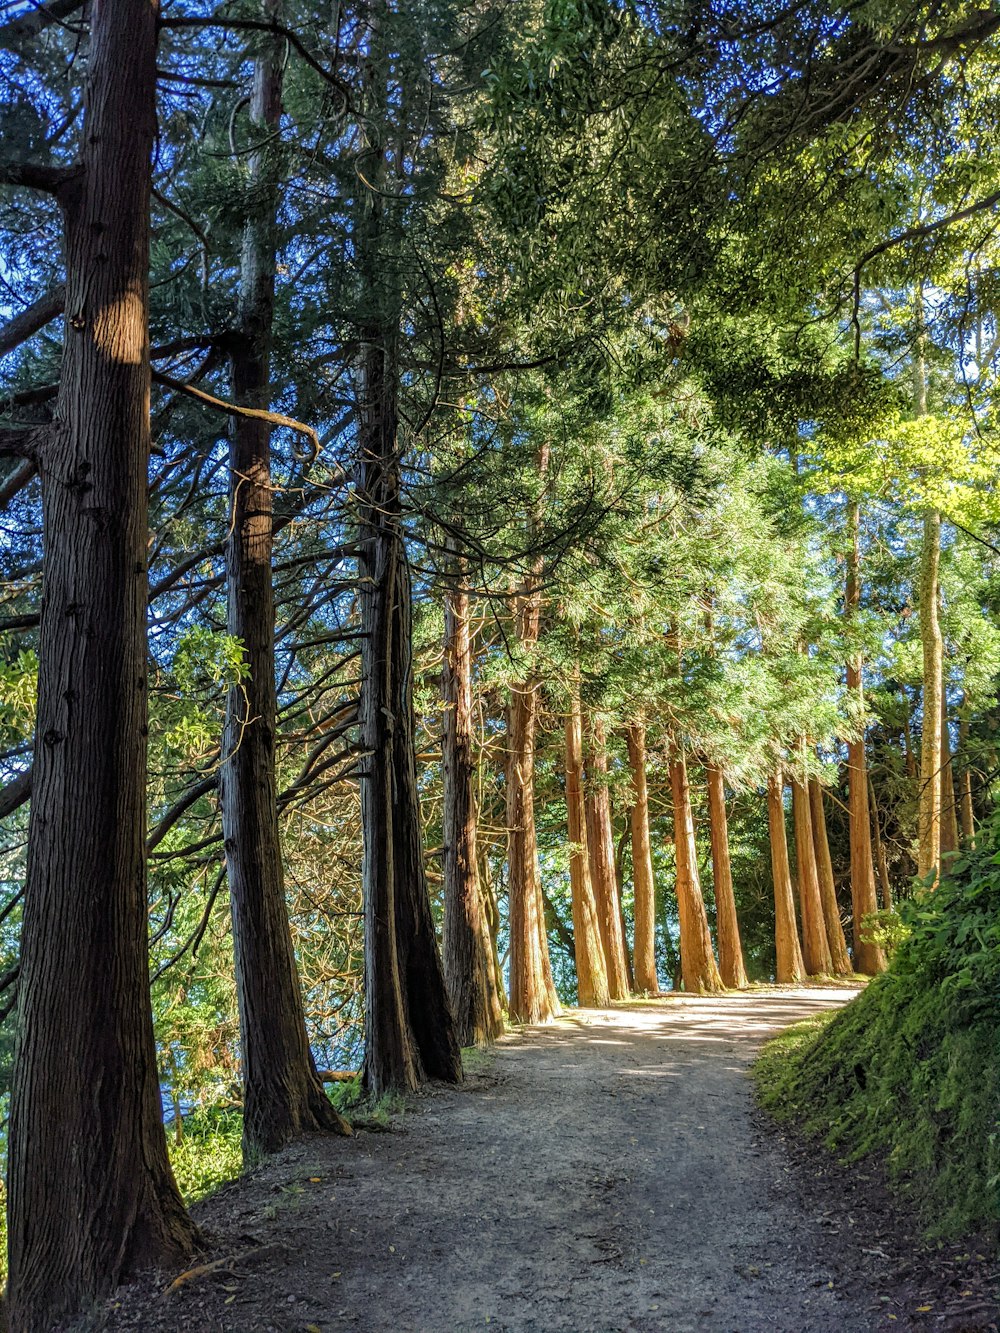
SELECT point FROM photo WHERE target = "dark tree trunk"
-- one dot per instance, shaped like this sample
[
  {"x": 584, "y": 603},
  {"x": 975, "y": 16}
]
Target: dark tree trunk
[
  {"x": 591, "y": 973},
  {"x": 91, "y": 1194},
  {"x": 731, "y": 966},
  {"x": 788, "y": 952},
  {"x": 868, "y": 958},
  {"x": 698, "y": 965},
  {"x": 949, "y": 801},
  {"x": 815, "y": 947},
  {"x": 601, "y": 849},
  {"x": 283, "y": 1095},
  {"x": 468, "y": 948},
  {"x": 643, "y": 883},
  {"x": 839, "y": 956}
]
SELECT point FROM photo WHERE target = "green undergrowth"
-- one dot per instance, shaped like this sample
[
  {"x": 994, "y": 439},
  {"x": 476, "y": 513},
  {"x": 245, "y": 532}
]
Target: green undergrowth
[{"x": 910, "y": 1071}]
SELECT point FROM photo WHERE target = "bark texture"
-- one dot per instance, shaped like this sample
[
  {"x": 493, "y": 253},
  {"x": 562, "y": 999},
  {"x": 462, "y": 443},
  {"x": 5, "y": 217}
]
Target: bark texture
[
  {"x": 880, "y": 862},
  {"x": 868, "y": 958},
  {"x": 699, "y": 970},
  {"x": 591, "y": 974},
  {"x": 643, "y": 883},
  {"x": 815, "y": 948},
  {"x": 731, "y": 966},
  {"x": 601, "y": 849},
  {"x": 468, "y": 947},
  {"x": 788, "y": 952},
  {"x": 282, "y": 1092},
  {"x": 91, "y": 1194},
  {"x": 839, "y": 956},
  {"x": 949, "y": 801},
  {"x": 965, "y": 785}
]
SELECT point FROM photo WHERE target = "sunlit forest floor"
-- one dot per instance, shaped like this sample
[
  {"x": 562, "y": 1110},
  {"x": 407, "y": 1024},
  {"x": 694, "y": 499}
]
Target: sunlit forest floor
[{"x": 609, "y": 1172}]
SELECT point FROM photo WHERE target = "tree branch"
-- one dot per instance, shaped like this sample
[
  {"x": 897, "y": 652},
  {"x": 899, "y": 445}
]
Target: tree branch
[
  {"x": 14, "y": 795},
  {"x": 258, "y": 413},
  {"x": 40, "y": 17},
  {"x": 52, "y": 180},
  {"x": 28, "y": 322}
]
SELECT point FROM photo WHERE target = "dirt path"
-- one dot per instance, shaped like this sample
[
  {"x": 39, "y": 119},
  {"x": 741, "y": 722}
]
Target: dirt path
[{"x": 605, "y": 1174}]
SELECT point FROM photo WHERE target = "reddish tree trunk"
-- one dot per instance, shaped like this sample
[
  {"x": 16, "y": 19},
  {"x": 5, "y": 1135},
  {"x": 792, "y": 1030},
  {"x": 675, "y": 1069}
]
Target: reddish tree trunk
[
  {"x": 883, "y": 869},
  {"x": 839, "y": 957},
  {"x": 815, "y": 948},
  {"x": 591, "y": 974},
  {"x": 788, "y": 953},
  {"x": 91, "y": 1194},
  {"x": 468, "y": 948},
  {"x": 283, "y": 1095},
  {"x": 965, "y": 780},
  {"x": 698, "y": 967},
  {"x": 731, "y": 966},
  {"x": 601, "y": 847},
  {"x": 643, "y": 883},
  {"x": 949, "y": 802},
  {"x": 868, "y": 958}
]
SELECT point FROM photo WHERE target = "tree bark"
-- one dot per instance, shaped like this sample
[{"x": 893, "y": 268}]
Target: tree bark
[
  {"x": 643, "y": 883},
  {"x": 698, "y": 967},
  {"x": 815, "y": 947},
  {"x": 731, "y": 966},
  {"x": 468, "y": 948},
  {"x": 868, "y": 958},
  {"x": 601, "y": 849},
  {"x": 965, "y": 783},
  {"x": 929, "y": 813},
  {"x": 91, "y": 1194},
  {"x": 282, "y": 1092},
  {"x": 839, "y": 957},
  {"x": 591, "y": 972},
  {"x": 788, "y": 953}
]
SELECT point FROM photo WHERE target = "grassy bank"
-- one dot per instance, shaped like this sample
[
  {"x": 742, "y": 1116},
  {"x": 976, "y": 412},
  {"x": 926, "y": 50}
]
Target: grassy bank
[{"x": 910, "y": 1070}]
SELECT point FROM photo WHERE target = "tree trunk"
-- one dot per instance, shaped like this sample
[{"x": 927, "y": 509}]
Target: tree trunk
[
  {"x": 815, "y": 947},
  {"x": 643, "y": 883},
  {"x": 788, "y": 954},
  {"x": 282, "y": 1092},
  {"x": 531, "y": 992},
  {"x": 839, "y": 957},
  {"x": 91, "y": 1194},
  {"x": 467, "y": 945},
  {"x": 868, "y": 958},
  {"x": 698, "y": 966},
  {"x": 731, "y": 965},
  {"x": 601, "y": 847},
  {"x": 591, "y": 973},
  {"x": 880, "y": 862},
  {"x": 949, "y": 802},
  {"x": 929, "y": 814},
  {"x": 965, "y": 782},
  {"x": 409, "y": 1029}
]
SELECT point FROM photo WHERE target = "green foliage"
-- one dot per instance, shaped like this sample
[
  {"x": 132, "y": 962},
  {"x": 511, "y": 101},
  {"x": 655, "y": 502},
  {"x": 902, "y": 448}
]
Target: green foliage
[
  {"x": 208, "y": 1153},
  {"x": 910, "y": 1071}
]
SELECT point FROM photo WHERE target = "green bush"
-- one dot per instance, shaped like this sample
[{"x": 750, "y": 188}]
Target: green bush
[
  {"x": 910, "y": 1070},
  {"x": 208, "y": 1153}
]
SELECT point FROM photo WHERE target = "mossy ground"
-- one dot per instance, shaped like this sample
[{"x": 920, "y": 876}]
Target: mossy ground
[{"x": 910, "y": 1074}]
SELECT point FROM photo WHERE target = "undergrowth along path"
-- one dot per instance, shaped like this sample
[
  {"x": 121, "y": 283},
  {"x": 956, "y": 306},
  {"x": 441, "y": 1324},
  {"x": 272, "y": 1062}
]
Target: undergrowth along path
[{"x": 607, "y": 1172}]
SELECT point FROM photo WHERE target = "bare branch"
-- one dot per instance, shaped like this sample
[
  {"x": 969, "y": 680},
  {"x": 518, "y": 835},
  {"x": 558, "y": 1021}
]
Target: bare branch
[
  {"x": 14, "y": 795},
  {"x": 15, "y": 33},
  {"x": 52, "y": 180}
]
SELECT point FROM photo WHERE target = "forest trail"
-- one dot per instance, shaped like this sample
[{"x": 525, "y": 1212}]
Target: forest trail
[{"x": 603, "y": 1173}]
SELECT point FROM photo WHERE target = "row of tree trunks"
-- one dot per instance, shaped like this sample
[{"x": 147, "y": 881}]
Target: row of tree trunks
[
  {"x": 91, "y": 1195},
  {"x": 468, "y": 945},
  {"x": 591, "y": 968},
  {"x": 601, "y": 850},
  {"x": 643, "y": 883},
  {"x": 699, "y": 970},
  {"x": 283, "y": 1095},
  {"x": 731, "y": 966}
]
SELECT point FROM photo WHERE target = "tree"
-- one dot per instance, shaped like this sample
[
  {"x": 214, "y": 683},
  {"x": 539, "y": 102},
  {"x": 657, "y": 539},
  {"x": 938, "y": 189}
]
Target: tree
[
  {"x": 591, "y": 971},
  {"x": 283, "y": 1095},
  {"x": 788, "y": 951},
  {"x": 644, "y": 885},
  {"x": 92, "y": 1197},
  {"x": 731, "y": 967}
]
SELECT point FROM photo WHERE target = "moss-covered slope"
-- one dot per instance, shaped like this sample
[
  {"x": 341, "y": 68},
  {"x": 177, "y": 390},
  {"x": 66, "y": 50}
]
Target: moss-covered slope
[{"x": 910, "y": 1070}]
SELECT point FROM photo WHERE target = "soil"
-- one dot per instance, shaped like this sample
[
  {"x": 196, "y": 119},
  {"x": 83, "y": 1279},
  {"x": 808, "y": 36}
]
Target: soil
[{"x": 607, "y": 1172}]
